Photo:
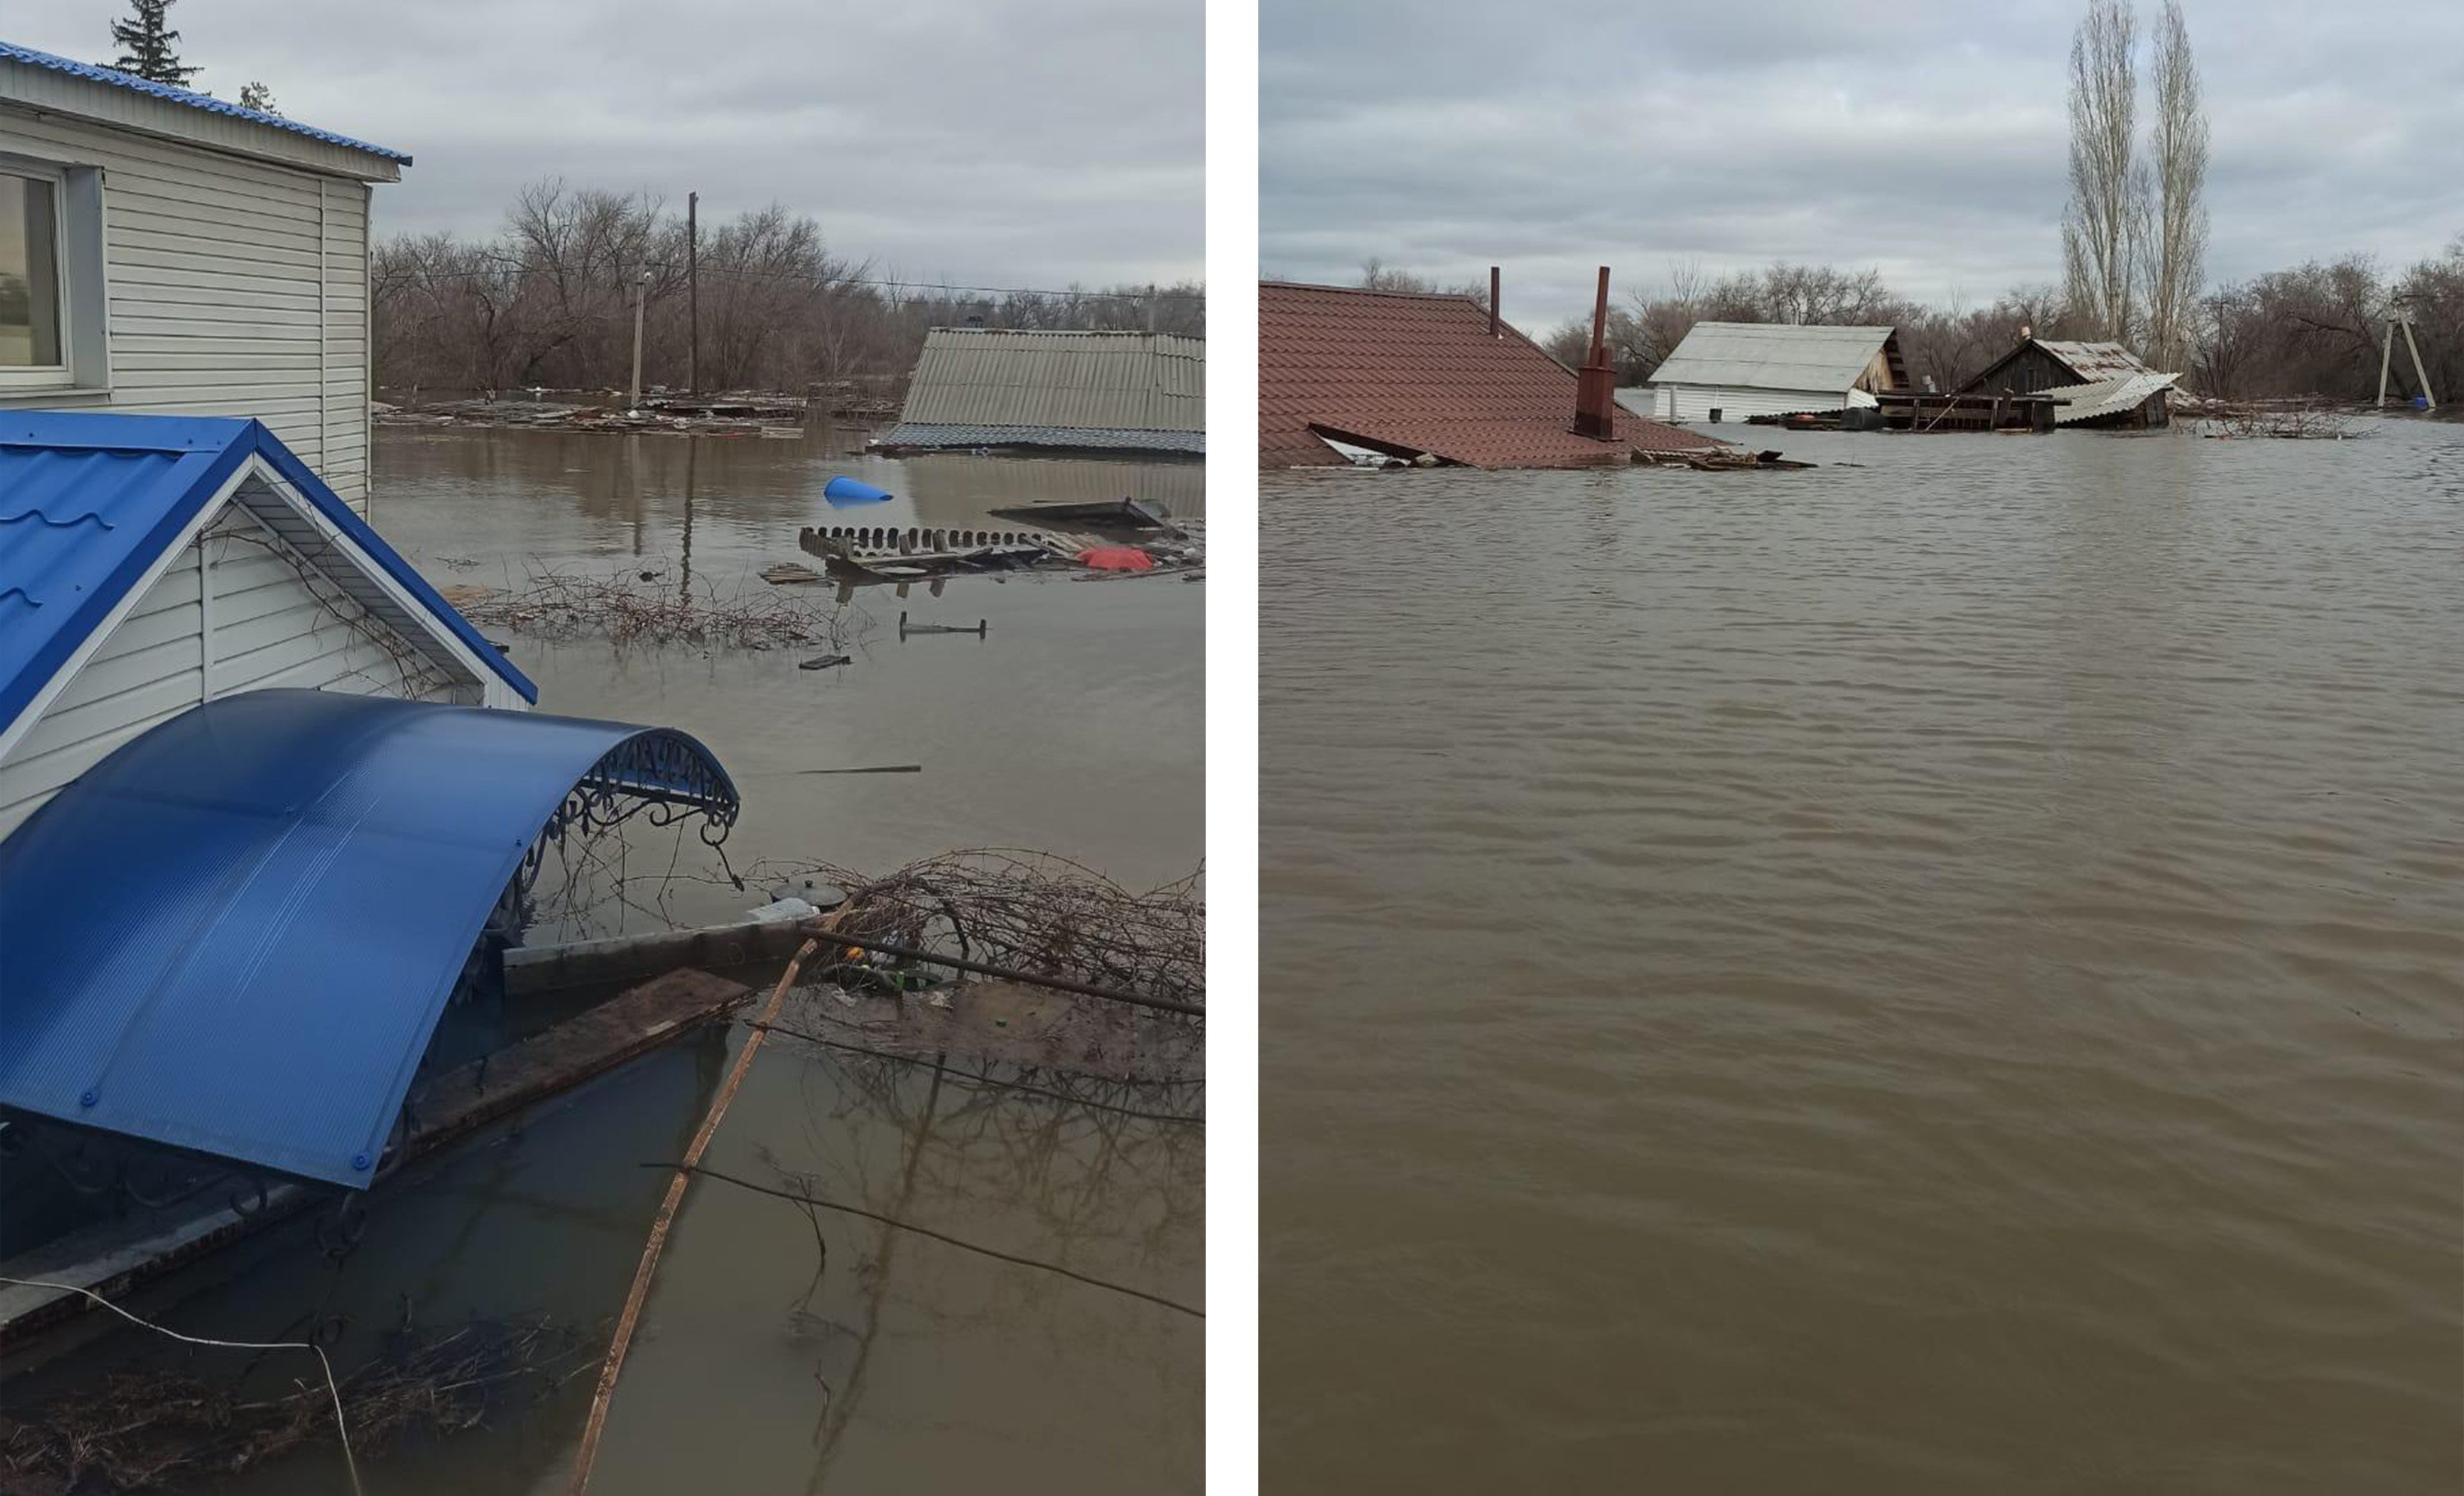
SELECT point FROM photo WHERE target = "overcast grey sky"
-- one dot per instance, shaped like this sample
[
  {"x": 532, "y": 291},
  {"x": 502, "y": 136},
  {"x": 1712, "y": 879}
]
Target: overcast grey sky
[
  {"x": 980, "y": 141},
  {"x": 1927, "y": 139}
]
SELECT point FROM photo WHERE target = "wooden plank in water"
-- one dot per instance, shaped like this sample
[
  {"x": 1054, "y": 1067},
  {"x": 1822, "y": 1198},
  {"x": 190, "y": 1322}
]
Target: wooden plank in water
[
  {"x": 114, "y": 1257},
  {"x": 630, "y": 1024},
  {"x": 597, "y": 963}
]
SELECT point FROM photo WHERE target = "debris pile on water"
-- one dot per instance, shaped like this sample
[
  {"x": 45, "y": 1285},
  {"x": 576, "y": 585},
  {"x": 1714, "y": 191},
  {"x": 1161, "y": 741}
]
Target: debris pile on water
[
  {"x": 2277, "y": 420},
  {"x": 1028, "y": 912},
  {"x": 640, "y": 609},
  {"x": 163, "y": 1431}
]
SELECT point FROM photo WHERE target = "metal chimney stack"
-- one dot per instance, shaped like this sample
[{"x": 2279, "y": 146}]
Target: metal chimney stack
[
  {"x": 1596, "y": 386},
  {"x": 1492, "y": 300}
]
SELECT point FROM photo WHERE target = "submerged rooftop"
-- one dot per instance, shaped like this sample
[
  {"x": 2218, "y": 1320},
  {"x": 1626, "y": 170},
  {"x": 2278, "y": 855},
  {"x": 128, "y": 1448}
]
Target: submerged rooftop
[{"x": 1410, "y": 373}]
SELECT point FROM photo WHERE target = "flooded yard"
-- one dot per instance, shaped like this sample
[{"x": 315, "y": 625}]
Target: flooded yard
[
  {"x": 1940, "y": 973},
  {"x": 1072, "y": 725}
]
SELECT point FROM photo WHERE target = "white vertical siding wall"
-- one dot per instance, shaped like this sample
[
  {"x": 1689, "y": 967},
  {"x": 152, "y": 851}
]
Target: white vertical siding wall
[
  {"x": 231, "y": 614},
  {"x": 237, "y": 287},
  {"x": 1697, "y": 402}
]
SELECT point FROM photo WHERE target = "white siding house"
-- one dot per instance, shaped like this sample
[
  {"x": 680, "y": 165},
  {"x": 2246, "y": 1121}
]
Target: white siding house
[
  {"x": 166, "y": 252},
  {"x": 1744, "y": 369}
]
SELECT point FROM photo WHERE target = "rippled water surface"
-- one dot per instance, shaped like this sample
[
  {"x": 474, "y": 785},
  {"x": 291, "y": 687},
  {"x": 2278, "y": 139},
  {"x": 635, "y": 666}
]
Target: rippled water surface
[{"x": 1940, "y": 973}]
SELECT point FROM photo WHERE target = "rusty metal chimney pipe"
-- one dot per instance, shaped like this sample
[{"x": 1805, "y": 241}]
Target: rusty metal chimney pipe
[
  {"x": 1492, "y": 300},
  {"x": 1600, "y": 320},
  {"x": 1596, "y": 386}
]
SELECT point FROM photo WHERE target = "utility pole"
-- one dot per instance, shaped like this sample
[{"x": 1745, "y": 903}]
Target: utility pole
[
  {"x": 692, "y": 295},
  {"x": 2403, "y": 317},
  {"x": 641, "y": 294}
]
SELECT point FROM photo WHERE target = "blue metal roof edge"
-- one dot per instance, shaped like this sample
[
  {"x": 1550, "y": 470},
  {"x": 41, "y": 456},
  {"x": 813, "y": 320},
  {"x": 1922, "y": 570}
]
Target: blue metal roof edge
[
  {"x": 210, "y": 452},
  {"x": 224, "y": 442},
  {"x": 330, "y": 504},
  {"x": 94, "y": 72}
]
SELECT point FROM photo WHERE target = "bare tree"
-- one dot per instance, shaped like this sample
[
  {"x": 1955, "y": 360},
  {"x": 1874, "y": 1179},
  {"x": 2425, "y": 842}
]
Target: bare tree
[
  {"x": 2104, "y": 223},
  {"x": 1375, "y": 275},
  {"x": 548, "y": 300},
  {"x": 2175, "y": 264}
]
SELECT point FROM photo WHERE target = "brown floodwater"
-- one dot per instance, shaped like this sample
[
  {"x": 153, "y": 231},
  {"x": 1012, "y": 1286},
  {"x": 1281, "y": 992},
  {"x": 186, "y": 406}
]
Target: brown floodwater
[
  {"x": 1073, "y": 726},
  {"x": 1940, "y": 973}
]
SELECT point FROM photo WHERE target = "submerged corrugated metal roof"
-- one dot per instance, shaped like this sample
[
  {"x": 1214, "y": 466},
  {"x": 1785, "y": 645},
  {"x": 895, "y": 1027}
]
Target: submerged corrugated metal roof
[
  {"x": 236, "y": 934},
  {"x": 1772, "y": 356},
  {"x": 2103, "y": 397},
  {"x": 98, "y": 74},
  {"x": 1397, "y": 370},
  {"x": 2092, "y": 361},
  {"x": 1065, "y": 381},
  {"x": 1061, "y": 438},
  {"x": 88, "y": 502}
]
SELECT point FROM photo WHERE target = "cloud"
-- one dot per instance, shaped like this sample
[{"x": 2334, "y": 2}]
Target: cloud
[
  {"x": 960, "y": 140},
  {"x": 1928, "y": 140}
]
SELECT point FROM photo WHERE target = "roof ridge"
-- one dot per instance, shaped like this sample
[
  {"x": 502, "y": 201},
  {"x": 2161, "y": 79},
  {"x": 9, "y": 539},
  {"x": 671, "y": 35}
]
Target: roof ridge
[
  {"x": 99, "y": 73},
  {"x": 1373, "y": 290}
]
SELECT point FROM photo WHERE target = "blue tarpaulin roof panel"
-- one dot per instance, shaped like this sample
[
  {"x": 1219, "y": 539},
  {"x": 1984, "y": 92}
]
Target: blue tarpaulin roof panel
[{"x": 236, "y": 934}]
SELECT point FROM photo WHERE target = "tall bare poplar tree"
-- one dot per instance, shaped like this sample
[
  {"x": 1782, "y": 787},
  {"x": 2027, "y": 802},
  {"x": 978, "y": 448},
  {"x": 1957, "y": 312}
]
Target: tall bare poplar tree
[
  {"x": 2104, "y": 224},
  {"x": 2177, "y": 251}
]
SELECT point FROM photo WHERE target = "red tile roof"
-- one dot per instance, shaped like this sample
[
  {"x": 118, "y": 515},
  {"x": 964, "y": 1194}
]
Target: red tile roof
[{"x": 1390, "y": 369}]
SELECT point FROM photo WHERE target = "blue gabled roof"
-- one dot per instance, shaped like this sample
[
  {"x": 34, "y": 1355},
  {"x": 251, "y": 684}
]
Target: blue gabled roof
[
  {"x": 97, "y": 72},
  {"x": 89, "y": 502}
]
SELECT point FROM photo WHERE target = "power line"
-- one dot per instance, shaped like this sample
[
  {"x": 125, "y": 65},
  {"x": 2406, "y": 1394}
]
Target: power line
[{"x": 827, "y": 282}]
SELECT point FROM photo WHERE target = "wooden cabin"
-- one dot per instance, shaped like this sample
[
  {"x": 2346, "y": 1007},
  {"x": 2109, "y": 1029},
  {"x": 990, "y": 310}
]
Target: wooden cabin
[{"x": 2098, "y": 385}]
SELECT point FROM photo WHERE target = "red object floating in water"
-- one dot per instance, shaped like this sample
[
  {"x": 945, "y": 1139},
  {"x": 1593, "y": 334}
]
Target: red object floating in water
[{"x": 1117, "y": 557}]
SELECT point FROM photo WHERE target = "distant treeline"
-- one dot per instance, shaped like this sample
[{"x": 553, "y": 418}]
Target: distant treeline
[
  {"x": 2312, "y": 330},
  {"x": 548, "y": 300}
]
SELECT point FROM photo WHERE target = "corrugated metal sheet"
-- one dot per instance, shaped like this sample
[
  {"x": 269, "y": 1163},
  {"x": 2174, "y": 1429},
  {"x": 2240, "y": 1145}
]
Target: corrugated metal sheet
[
  {"x": 1069, "y": 438},
  {"x": 236, "y": 934},
  {"x": 96, "y": 74},
  {"x": 1772, "y": 356},
  {"x": 1391, "y": 369},
  {"x": 1070, "y": 381},
  {"x": 2105, "y": 397},
  {"x": 89, "y": 502},
  {"x": 2093, "y": 361}
]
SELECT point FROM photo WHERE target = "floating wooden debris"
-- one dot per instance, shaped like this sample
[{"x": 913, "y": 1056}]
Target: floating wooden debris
[
  {"x": 905, "y": 628},
  {"x": 1123, "y": 516},
  {"x": 789, "y": 574},
  {"x": 1728, "y": 459}
]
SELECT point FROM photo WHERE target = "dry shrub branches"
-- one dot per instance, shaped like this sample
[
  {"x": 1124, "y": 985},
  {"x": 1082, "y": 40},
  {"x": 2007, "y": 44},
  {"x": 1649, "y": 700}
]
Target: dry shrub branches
[
  {"x": 1029, "y": 910},
  {"x": 628, "y": 610},
  {"x": 163, "y": 1431}
]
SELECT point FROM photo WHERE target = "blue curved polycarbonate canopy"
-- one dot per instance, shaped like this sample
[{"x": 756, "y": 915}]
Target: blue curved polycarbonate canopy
[{"x": 238, "y": 932}]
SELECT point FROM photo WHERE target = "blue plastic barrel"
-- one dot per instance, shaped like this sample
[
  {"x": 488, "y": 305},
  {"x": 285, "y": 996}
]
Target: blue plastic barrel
[
  {"x": 2421, "y": 402},
  {"x": 843, "y": 491}
]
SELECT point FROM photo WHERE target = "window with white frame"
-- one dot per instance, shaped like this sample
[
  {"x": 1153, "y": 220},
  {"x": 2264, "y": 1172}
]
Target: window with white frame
[
  {"x": 33, "y": 336},
  {"x": 51, "y": 302}
]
